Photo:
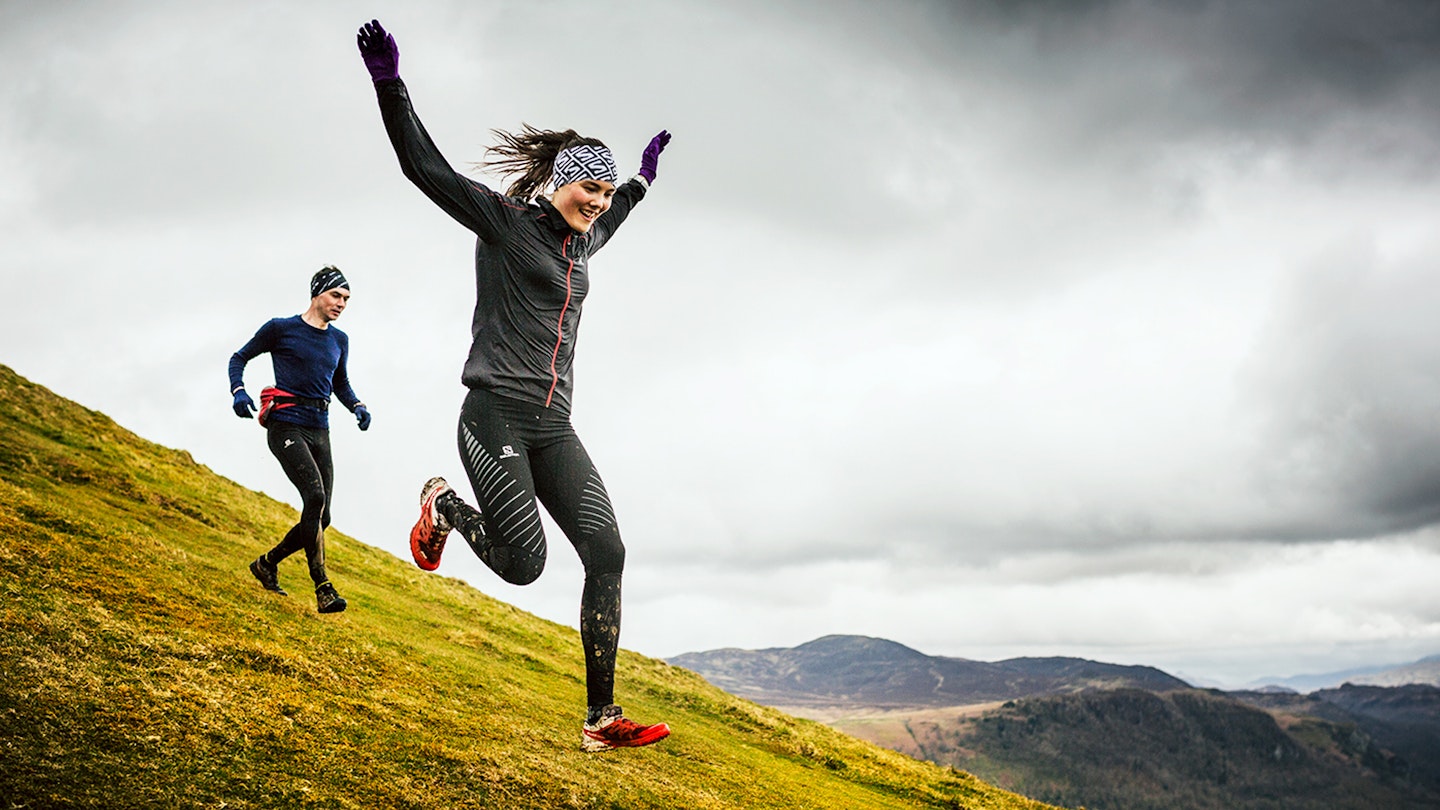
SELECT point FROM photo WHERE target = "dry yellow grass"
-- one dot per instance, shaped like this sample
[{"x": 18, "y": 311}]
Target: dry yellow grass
[{"x": 143, "y": 668}]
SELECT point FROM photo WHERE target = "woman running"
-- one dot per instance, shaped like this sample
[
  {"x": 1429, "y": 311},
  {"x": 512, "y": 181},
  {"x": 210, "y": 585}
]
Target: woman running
[{"x": 515, "y": 437}]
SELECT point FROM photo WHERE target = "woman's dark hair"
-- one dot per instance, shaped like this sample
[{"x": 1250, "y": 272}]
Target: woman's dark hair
[{"x": 531, "y": 154}]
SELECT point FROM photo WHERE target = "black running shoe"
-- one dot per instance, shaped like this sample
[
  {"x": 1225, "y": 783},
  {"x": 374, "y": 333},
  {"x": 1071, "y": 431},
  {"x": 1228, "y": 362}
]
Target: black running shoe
[
  {"x": 267, "y": 574},
  {"x": 327, "y": 600}
]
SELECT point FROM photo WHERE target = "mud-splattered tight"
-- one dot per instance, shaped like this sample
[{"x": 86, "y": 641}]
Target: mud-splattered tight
[
  {"x": 515, "y": 452},
  {"x": 304, "y": 454}
]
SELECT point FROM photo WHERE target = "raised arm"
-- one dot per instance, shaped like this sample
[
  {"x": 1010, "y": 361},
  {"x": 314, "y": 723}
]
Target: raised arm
[
  {"x": 478, "y": 208},
  {"x": 631, "y": 192}
]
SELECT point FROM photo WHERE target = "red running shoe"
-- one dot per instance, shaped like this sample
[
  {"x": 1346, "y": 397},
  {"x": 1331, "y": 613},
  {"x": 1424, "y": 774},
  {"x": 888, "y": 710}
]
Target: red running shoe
[
  {"x": 614, "y": 730},
  {"x": 427, "y": 538}
]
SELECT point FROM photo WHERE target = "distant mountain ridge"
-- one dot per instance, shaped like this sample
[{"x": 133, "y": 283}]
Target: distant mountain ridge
[
  {"x": 1404, "y": 719},
  {"x": 845, "y": 670},
  {"x": 1424, "y": 671},
  {"x": 1083, "y": 733}
]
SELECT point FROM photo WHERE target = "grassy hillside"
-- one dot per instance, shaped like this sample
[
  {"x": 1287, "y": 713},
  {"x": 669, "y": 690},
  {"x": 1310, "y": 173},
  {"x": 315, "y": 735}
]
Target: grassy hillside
[{"x": 141, "y": 666}]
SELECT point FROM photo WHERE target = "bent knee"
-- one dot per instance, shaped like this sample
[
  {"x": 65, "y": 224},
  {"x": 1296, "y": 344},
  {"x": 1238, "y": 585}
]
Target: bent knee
[
  {"x": 513, "y": 565},
  {"x": 313, "y": 507},
  {"x": 525, "y": 573},
  {"x": 523, "y": 576}
]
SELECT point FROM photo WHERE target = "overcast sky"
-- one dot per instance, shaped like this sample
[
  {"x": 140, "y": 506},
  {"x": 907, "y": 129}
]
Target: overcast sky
[{"x": 1104, "y": 329}]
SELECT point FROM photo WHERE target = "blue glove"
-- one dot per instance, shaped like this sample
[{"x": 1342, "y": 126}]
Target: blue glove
[
  {"x": 651, "y": 157},
  {"x": 244, "y": 405},
  {"x": 363, "y": 415},
  {"x": 378, "y": 49}
]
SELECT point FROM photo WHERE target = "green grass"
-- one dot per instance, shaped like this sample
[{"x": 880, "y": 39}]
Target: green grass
[{"x": 141, "y": 666}]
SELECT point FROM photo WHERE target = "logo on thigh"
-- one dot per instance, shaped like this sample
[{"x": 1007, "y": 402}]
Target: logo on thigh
[{"x": 508, "y": 452}]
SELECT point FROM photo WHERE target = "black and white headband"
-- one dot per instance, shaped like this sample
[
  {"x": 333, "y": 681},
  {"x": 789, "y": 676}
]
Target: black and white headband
[
  {"x": 584, "y": 162},
  {"x": 327, "y": 279}
]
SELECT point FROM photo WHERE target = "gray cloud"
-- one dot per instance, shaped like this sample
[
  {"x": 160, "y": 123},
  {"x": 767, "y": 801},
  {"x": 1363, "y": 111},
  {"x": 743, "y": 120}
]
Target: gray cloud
[
  {"x": 936, "y": 306},
  {"x": 1350, "y": 378}
]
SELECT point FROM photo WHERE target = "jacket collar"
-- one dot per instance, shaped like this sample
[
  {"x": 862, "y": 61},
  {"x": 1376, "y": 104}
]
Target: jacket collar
[{"x": 552, "y": 217}]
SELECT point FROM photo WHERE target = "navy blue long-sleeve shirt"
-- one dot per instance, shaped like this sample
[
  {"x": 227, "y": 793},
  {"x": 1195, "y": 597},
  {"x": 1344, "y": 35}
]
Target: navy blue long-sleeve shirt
[{"x": 309, "y": 362}]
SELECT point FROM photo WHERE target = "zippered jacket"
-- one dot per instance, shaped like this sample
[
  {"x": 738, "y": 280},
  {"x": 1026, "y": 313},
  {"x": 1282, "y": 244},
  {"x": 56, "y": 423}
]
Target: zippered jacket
[{"x": 531, "y": 272}]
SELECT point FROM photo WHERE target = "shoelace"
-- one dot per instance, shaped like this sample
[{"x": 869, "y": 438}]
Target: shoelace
[{"x": 623, "y": 727}]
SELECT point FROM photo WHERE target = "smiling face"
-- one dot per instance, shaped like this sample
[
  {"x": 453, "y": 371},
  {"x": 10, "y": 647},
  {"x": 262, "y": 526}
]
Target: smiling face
[{"x": 582, "y": 202}]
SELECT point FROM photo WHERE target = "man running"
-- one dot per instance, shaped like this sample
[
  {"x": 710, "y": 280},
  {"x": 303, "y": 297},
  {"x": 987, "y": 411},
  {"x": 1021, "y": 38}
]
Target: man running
[{"x": 309, "y": 356}]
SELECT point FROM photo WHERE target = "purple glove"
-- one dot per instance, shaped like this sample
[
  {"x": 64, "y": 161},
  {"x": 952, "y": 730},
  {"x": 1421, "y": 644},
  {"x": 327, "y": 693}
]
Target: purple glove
[
  {"x": 378, "y": 49},
  {"x": 651, "y": 155}
]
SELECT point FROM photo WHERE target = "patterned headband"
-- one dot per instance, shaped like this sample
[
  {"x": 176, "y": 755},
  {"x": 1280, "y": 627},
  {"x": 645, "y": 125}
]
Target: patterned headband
[
  {"x": 327, "y": 279},
  {"x": 584, "y": 163}
]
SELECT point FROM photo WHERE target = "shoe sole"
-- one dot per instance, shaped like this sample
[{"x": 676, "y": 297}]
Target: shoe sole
[
  {"x": 421, "y": 531},
  {"x": 418, "y": 534},
  {"x": 338, "y": 606}
]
